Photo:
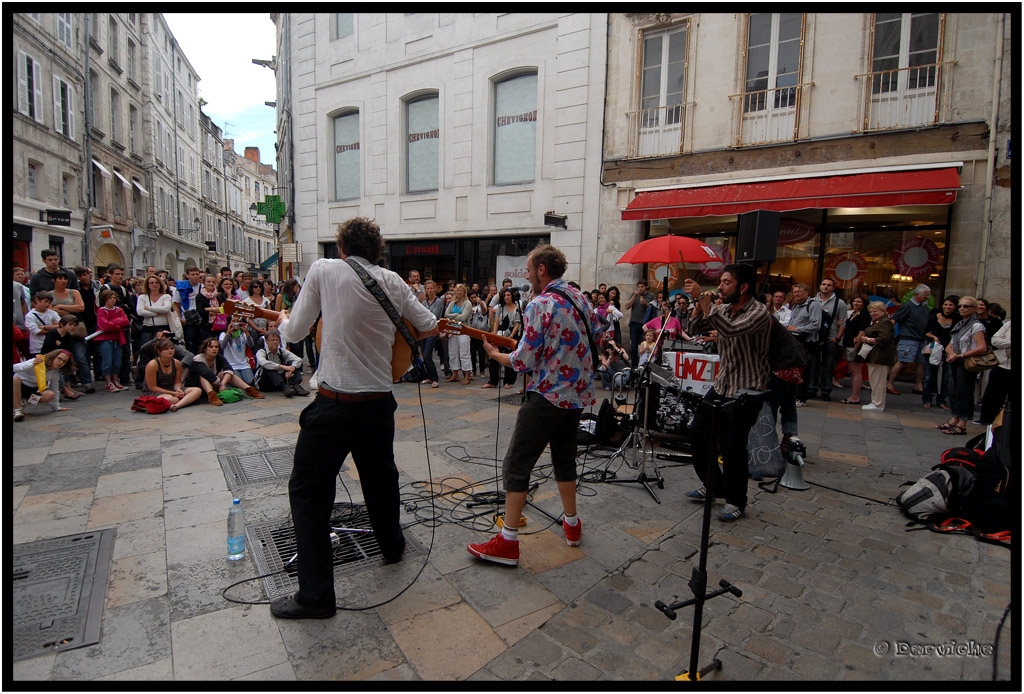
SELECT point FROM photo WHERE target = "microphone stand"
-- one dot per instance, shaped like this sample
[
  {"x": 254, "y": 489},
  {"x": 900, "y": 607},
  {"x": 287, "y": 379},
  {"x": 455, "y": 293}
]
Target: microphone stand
[{"x": 638, "y": 437}]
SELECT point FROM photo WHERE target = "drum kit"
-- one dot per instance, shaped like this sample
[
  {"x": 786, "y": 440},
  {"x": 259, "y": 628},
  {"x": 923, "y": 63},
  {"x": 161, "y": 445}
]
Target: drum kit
[{"x": 661, "y": 410}]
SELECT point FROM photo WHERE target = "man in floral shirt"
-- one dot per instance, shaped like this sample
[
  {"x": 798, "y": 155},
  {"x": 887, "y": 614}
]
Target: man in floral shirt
[{"x": 556, "y": 352}]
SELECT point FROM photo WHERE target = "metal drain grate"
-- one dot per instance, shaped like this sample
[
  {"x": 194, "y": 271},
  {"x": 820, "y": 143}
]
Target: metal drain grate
[
  {"x": 59, "y": 586},
  {"x": 272, "y": 544},
  {"x": 269, "y": 465},
  {"x": 514, "y": 399}
]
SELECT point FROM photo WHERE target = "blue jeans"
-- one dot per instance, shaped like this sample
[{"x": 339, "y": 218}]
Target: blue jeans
[
  {"x": 822, "y": 366},
  {"x": 110, "y": 357},
  {"x": 614, "y": 376},
  {"x": 636, "y": 336},
  {"x": 961, "y": 403},
  {"x": 427, "y": 345},
  {"x": 330, "y": 430},
  {"x": 931, "y": 374},
  {"x": 80, "y": 353}
]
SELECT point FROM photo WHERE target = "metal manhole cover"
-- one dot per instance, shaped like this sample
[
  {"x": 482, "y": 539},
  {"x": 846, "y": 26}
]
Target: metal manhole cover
[
  {"x": 59, "y": 587},
  {"x": 260, "y": 467},
  {"x": 272, "y": 545}
]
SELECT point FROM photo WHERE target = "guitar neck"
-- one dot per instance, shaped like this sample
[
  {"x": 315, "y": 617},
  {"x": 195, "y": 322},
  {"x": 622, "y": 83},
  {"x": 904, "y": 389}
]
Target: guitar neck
[
  {"x": 456, "y": 328},
  {"x": 249, "y": 310}
]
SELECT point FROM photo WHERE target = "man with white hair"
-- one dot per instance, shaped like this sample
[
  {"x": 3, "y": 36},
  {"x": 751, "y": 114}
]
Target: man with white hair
[{"x": 912, "y": 319}]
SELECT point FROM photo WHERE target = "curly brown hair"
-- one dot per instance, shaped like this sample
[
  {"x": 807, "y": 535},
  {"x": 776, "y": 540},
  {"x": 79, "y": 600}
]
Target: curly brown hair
[
  {"x": 550, "y": 257},
  {"x": 359, "y": 236}
]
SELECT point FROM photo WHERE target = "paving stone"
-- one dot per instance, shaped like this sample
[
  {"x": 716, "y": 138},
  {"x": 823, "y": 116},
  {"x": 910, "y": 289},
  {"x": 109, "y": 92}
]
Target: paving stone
[
  {"x": 132, "y": 635},
  {"x": 768, "y": 648},
  {"x": 782, "y": 586},
  {"x": 575, "y": 670},
  {"x": 578, "y": 639},
  {"x": 609, "y": 600}
]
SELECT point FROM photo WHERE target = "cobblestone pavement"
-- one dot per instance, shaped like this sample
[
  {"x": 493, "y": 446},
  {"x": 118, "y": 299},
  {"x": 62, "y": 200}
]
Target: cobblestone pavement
[{"x": 833, "y": 587}]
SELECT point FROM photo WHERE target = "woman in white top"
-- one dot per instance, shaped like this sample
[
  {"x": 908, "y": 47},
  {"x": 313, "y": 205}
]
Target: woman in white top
[
  {"x": 459, "y": 310},
  {"x": 257, "y": 326},
  {"x": 153, "y": 307},
  {"x": 232, "y": 346}
]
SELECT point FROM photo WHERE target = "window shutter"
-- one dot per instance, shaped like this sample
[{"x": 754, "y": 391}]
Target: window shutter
[
  {"x": 37, "y": 78},
  {"x": 71, "y": 112},
  {"x": 56, "y": 104},
  {"x": 22, "y": 83}
]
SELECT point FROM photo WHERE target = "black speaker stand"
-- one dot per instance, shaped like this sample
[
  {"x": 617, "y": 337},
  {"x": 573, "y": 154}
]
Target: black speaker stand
[{"x": 699, "y": 579}]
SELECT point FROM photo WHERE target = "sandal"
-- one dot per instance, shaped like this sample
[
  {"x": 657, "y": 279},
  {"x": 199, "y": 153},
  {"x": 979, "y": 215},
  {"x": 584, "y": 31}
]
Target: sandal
[
  {"x": 848, "y": 401},
  {"x": 451, "y": 378},
  {"x": 507, "y": 386},
  {"x": 944, "y": 426},
  {"x": 943, "y": 406},
  {"x": 434, "y": 384},
  {"x": 71, "y": 396},
  {"x": 891, "y": 391},
  {"x": 955, "y": 431},
  {"x": 488, "y": 385},
  {"x": 927, "y": 406}
]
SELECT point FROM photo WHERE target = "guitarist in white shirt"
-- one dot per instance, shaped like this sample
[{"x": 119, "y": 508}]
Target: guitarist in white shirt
[{"x": 353, "y": 412}]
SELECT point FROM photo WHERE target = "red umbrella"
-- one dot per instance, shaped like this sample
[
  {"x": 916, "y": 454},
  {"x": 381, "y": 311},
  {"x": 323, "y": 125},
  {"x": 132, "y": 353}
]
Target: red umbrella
[{"x": 670, "y": 249}]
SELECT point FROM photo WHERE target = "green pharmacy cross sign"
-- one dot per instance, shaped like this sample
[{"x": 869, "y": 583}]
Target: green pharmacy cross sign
[{"x": 272, "y": 209}]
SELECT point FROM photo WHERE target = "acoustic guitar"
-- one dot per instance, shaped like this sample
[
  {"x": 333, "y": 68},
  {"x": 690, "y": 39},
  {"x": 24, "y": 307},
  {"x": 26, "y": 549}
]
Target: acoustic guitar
[
  {"x": 451, "y": 327},
  {"x": 401, "y": 352}
]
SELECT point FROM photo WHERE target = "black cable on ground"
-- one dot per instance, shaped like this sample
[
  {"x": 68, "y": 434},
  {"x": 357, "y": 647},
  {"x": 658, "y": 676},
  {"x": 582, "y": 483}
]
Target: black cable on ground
[{"x": 995, "y": 645}]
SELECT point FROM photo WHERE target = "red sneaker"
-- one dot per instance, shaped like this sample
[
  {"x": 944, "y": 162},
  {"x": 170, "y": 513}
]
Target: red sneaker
[
  {"x": 498, "y": 550},
  {"x": 572, "y": 533}
]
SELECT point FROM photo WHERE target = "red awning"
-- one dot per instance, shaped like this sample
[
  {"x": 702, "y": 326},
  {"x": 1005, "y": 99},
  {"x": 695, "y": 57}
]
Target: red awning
[{"x": 878, "y": 189}]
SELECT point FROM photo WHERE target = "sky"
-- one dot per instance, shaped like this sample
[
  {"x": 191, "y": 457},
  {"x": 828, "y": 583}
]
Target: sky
[{"x": 220, "y": 48}]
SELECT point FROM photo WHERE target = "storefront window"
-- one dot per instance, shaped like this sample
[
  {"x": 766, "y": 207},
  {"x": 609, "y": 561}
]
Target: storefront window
[{"x": 884, "y": 252}]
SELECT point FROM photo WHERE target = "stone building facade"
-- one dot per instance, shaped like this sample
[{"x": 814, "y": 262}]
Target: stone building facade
[
  {"x": 457, "y": 133},
  {"x": 881, "y": 139}
]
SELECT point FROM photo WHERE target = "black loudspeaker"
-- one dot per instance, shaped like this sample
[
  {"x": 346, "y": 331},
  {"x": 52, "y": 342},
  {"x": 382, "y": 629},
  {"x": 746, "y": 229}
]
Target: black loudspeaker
[{"x": 758, "y": 237}]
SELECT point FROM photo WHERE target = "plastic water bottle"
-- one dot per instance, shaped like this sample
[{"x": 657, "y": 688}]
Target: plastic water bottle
[{"x": 236, "y": 531}]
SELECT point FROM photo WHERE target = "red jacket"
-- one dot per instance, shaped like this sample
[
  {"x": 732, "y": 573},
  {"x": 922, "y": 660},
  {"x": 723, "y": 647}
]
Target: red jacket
[{"x": 112, "y": 321}]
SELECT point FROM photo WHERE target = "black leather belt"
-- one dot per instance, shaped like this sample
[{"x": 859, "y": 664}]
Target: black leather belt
[{"x": 350, "y": 397}]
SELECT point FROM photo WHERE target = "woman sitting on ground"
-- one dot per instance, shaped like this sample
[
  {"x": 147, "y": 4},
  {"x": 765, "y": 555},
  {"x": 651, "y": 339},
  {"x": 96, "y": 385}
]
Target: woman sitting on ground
[
  {"x": 37, "y": 381},
  {"x": 210, "y": 371},
  {"x": 165, "y": 378},
  {"x": 233, "y": 345},
  {"x": 614, "y": 368}
]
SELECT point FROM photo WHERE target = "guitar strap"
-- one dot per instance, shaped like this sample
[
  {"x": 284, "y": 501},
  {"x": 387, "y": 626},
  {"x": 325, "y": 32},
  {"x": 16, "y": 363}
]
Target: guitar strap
[
  {"x": 595, "y": 352},
  {"x": 389, "y": 308}
]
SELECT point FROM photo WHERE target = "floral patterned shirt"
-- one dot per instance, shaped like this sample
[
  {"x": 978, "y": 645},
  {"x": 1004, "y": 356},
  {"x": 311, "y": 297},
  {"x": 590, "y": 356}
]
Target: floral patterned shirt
[{"x": 554, "y": 349}]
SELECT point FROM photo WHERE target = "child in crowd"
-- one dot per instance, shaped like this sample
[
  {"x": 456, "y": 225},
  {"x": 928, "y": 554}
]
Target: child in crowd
[
  {"x": 37, "y": 381},
  {"x": 647, "y": 346},
  {"x": 40, "y": 320}
]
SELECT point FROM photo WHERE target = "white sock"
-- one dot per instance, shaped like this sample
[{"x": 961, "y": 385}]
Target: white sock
[
  {"x": 510, "y": 534},
  {"x": 572, "y": 520}
]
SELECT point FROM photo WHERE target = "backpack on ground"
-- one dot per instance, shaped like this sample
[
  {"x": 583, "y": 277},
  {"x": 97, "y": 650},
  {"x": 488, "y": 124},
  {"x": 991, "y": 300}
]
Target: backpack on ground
[{"x": 942, "y": 492}]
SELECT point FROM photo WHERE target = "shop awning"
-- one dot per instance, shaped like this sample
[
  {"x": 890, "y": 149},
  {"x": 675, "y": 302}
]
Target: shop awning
[
  {"x": 124, "y": 181},
  {"x": 103, "y": 170},
  {"x": 878, "y": 188},
  {"x": 142, "y": 191},
  {"x": 269, "y": 262}
]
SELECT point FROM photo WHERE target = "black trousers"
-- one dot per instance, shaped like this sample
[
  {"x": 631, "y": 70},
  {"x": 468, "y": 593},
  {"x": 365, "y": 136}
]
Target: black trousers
[
  {"x": 733, "y": 430},
  {"x": 996, "y": 392},
  {"x": 494, "y": 369},
  {"x": 269, "y": 380},
  {"x": 330, "y": 430}
]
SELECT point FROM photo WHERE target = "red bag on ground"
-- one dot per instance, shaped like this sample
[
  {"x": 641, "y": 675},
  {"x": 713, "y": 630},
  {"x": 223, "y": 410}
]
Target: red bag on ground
[{"x": 151, "y": 404}]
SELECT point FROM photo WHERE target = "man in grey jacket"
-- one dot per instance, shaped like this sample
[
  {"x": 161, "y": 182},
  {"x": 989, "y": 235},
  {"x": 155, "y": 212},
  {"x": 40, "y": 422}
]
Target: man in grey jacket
[
  {"x": 277, "y": 368},
  {"x": 804, "y": 323},
  {"x": 833, "y": 323}
]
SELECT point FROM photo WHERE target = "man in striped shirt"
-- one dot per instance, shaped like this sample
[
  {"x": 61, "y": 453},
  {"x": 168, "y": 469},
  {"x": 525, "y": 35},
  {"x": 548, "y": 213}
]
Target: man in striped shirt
[{"x": 743, "y": 325}]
